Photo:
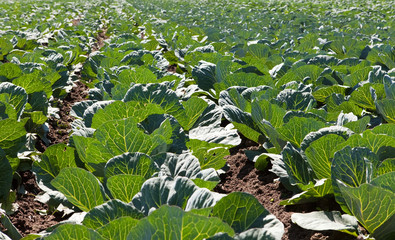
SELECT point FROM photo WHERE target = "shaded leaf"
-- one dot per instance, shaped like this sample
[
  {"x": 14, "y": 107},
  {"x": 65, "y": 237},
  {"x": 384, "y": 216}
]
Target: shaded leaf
[
  {"x": 109, "y": 211},
  {"x": 170, "y": 222},
  {"x": 243, "y": 211}
]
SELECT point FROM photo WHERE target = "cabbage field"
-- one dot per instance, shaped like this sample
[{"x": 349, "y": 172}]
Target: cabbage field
[{"x": 170, "y": 119}]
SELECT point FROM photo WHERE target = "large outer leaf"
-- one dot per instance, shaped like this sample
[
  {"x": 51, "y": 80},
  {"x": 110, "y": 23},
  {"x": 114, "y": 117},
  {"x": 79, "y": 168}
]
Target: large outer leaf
[
  {"x": 297, "y": 128},
  {"x": 389, "y": 87},
  {"x": 297, "y": 168},
  {"x": 243, "y": 213},
  {"x": 124, "y": 186},
  {"x": 34, "y": 82},
  {"x": 166, "y": 129},
  {"x": 109, "y": 211},
  {"x": 210, "y": 155},
  {"x": 381, "y": 144},
  {"x": 170, "y": 222},
  {"x": 250, "y": 133},
  {"x": 54, "y": 159},
  {"x": 353, "y": 167},
  {"x": 216, "y": 134},
  {"x": 363, "y": 96},
  {"x": 118, "y": 229},
  {"x": 79, "y": 129},
  {"x": 233, "y": 96},
  {"x": 194, "y": 107},
  {"x": 205, "y": 74},
  {"x": 121, "y": 136},
  {"x": 7, "y": 111},
  {"x": 272, "y": 113},
  {"x": 373, "y": 206},
  {"x": 319, "y": 154},
  {"x": 386, "y": 108},
  {"x": 386, "y": 166},
  {"x": 78, "y": 109},
  {"x": 385, "y": 181},
  {"x": 92, "y": 110},
  {"x": 378, "y": 141},
  {"x": 158, "y": 94},
  {"x": 321, "y": 221},
  {"x": 183, "y": 165},
  {"x": 321, "y": 94},
  {"x": 136, "y": 75},
  {"x": 10, "y": 71},
  {"x": 341, "y": 131},
  {"x": 5, "y": 176},
  {"x": 358, "y": 126},
  {"x": 388, "y": 129},
  {"x": 163, "y": 190},
  {"x": 243, "y": 122},
  {"x": 80, "y": 187},
  {"x": 186, "y": 165},
  {"x": 92, "y": 153},
  {"x": 263, "y": 113},
  {"x": 235, "y": 114},
  {"x": 120, "y": 110},
  {"x": 212, "y": 115},
  {"x": 202, "y": 199},
  {"x": 322, "y": 188},
  {"x": 355, "y": 77},
  {"x": 73, "y": 232},
  {"x": 336, "y": 103},
  {"x": 299, "y": 74},
  {"x": 12, "y": 135},
  {"x": 295, "y": 100},
  {"x": 130, "y": 163}
]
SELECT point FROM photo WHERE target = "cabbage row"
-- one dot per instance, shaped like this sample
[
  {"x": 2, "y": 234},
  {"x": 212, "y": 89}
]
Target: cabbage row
[{"x": 172, "y": 90}]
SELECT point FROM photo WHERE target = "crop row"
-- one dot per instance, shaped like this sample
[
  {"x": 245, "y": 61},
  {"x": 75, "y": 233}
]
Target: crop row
[{"x": 171, "y": 91}]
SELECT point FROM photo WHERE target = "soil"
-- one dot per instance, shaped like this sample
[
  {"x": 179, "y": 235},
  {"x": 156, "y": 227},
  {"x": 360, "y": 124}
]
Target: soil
[
  {"x": 242, "y": 176},
  {"x": 75, "y": 22},
  {"x": 60, "y": 128},
  {"x": 27, "y": 219},
  {"x": 101, "y": 36}
]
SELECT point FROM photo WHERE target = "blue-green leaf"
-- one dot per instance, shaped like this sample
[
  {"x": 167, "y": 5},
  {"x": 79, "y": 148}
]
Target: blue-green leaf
[
  {"x": 243, "y": 213},
  {"x": 109, "y": 211},
  {"x": 170, "y": 222}
]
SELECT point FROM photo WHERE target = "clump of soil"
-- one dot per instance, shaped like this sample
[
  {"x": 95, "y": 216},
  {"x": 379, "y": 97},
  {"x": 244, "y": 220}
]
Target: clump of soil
[
  {"x": 75, "y": 21},
  {"x": 244, "y": 177},
  {"x": 101, "y": 36},
  {"x": 27, "y": 219},
  {"x": 59, "y": 129}
]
